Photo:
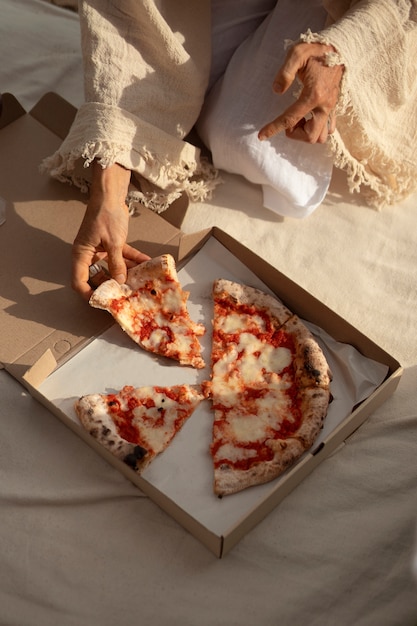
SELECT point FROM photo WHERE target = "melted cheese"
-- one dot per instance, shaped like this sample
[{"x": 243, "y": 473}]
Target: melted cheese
[
  {"x": 251, "y": 359},
  {"x": 235, "y": 322},
  {"x": 172, "y": 300},
  {"x": 156, "y": 436},
  {"x": 250, "y": 380}
]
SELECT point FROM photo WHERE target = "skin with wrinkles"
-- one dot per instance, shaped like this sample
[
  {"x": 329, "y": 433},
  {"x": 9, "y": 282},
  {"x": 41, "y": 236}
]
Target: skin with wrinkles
[
  {"x": 318, "y": 98},
  {"x": 103, "y": 231}
]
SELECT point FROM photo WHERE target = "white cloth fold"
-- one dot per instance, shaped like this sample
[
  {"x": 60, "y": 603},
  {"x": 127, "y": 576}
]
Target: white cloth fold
[{"x": 294, "y": 176}]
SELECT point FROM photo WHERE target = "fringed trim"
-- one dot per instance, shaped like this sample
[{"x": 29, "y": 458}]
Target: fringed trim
[
  {"x": 331, "y": 58},
  {"x": 197, "y": 182},
  {"x": 63, "y": 164},
  {"x": 377, "y": 192},
  {"x": 198, "y": 189},
  {"x": 380, "y": 180}
]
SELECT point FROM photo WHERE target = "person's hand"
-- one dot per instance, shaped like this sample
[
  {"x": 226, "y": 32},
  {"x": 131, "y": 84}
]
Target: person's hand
[
  {"x": 103, "y": 231},
  {"x": 311, "y": 118}
]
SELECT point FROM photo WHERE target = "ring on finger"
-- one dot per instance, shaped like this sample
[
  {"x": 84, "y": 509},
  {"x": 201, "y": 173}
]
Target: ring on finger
[{"x": 94, "y": 269}]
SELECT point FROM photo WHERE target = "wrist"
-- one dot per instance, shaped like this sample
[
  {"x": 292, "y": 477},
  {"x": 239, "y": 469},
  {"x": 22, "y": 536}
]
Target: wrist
[{"x": 109, "y": 185}]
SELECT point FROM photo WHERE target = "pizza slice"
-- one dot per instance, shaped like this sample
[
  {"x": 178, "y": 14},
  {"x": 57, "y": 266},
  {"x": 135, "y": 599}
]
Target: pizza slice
[
  {"x": 269, "y": 387},
  {"x": 152, "y": 309},
  {"x": 137, "y": 424}
]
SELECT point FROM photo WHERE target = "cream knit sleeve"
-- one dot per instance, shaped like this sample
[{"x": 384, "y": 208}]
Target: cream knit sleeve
[
  {"x": 146, "y": 67},
  {"x": 375, "y": 140}
]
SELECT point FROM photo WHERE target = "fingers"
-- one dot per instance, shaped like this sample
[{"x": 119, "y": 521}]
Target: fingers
[
  {"x": 312, "y": 126},
  {"x": 287, "y": 121},
  {"x": 88, "y": 274},
  {"x": 311, "y": 117},
  {"x": 133, "y": 257},
  {"x": 117, "y": 265},
  {"x": 120, "y": 259},
  {"x": 331, "y": 123},
  {"x": 295, "y": 61},
  {"x": 103, "y": 231},
  {"x": 81, "y": 261}
]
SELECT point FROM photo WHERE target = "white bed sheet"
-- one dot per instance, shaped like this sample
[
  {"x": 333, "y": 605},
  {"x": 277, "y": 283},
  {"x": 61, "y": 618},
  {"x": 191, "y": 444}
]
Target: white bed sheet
[{"x": 80, "y": 545}]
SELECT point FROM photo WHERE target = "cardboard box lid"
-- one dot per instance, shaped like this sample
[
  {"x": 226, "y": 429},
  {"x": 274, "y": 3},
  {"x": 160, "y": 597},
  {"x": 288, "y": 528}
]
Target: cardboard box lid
[{"x": 38, "y": 309}]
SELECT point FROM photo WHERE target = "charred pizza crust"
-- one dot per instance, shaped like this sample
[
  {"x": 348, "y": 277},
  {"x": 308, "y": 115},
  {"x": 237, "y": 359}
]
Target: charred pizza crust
[
  {"x": 137, "y": 424},
  {"x": 269, "y": 388},
  {"x": 250, "y": 296}
]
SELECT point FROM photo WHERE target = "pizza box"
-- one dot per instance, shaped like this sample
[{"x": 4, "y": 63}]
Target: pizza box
[{"x": 51, "y": 341}]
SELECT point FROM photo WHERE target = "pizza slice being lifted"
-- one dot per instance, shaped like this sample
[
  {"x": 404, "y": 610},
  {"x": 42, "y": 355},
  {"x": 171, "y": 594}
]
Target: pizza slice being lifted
[
  {"x": 152, "y": 309},
  {"x": 137, "y": 424},
  {"x": 269, "y": 387}
]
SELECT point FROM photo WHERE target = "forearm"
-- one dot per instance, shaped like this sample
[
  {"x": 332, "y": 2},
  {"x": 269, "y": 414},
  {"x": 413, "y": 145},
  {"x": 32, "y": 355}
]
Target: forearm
[
  {"x": 149, "y": 61},
  {"x": 146, "y": 70}
]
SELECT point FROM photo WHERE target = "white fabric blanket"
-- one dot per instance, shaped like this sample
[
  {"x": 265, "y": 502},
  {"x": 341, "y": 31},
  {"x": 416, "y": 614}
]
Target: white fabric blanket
[{"x": 80, "y": 546}]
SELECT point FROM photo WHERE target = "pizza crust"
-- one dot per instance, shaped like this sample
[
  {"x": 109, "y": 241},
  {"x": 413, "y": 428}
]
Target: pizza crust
[
  {"x": 247, "y": 295},
  {"x": 250, "y": 381},
  {"x": 151, "y": 417},
  {"x": 92, "y": 411},
  {"x": 310, "y": 362},
  {"x": 228, "y": 480}
]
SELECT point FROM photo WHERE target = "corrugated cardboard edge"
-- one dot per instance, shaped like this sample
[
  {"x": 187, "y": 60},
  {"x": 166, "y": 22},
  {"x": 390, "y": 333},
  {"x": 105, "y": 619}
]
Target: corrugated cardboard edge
[{"x": 40, "y": 370}]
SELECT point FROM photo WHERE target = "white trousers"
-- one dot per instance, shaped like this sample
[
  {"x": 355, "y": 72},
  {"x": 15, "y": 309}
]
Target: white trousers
[{"x": 248, "y": 49}]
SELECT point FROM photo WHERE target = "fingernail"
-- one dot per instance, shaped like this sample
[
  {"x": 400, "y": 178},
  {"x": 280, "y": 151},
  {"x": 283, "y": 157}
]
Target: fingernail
[
  {"x": 120, "y": 278},
  {"x": 278, "y": 86}
]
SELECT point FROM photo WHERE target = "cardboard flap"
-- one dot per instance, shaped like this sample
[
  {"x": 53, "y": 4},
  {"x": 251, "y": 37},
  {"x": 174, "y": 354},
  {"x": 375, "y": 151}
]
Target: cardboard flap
[
  {"x": 54, "y": 113},
  {"x": 36, "y": 374},
  {"x": 189, "y": 243},
  {"x": 11, "y": 109},
  {"x": 38, "y": 308}
]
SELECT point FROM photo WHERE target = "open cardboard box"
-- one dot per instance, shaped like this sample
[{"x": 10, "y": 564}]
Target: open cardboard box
[{"x": 47, "y": 328}]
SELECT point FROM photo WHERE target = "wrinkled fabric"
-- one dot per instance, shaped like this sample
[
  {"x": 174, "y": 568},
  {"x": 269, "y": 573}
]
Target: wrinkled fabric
[
  {"x": 147, "y": 69},
  {"x": 375, "y": 140},
  {"x": 294, "y": 176}
]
